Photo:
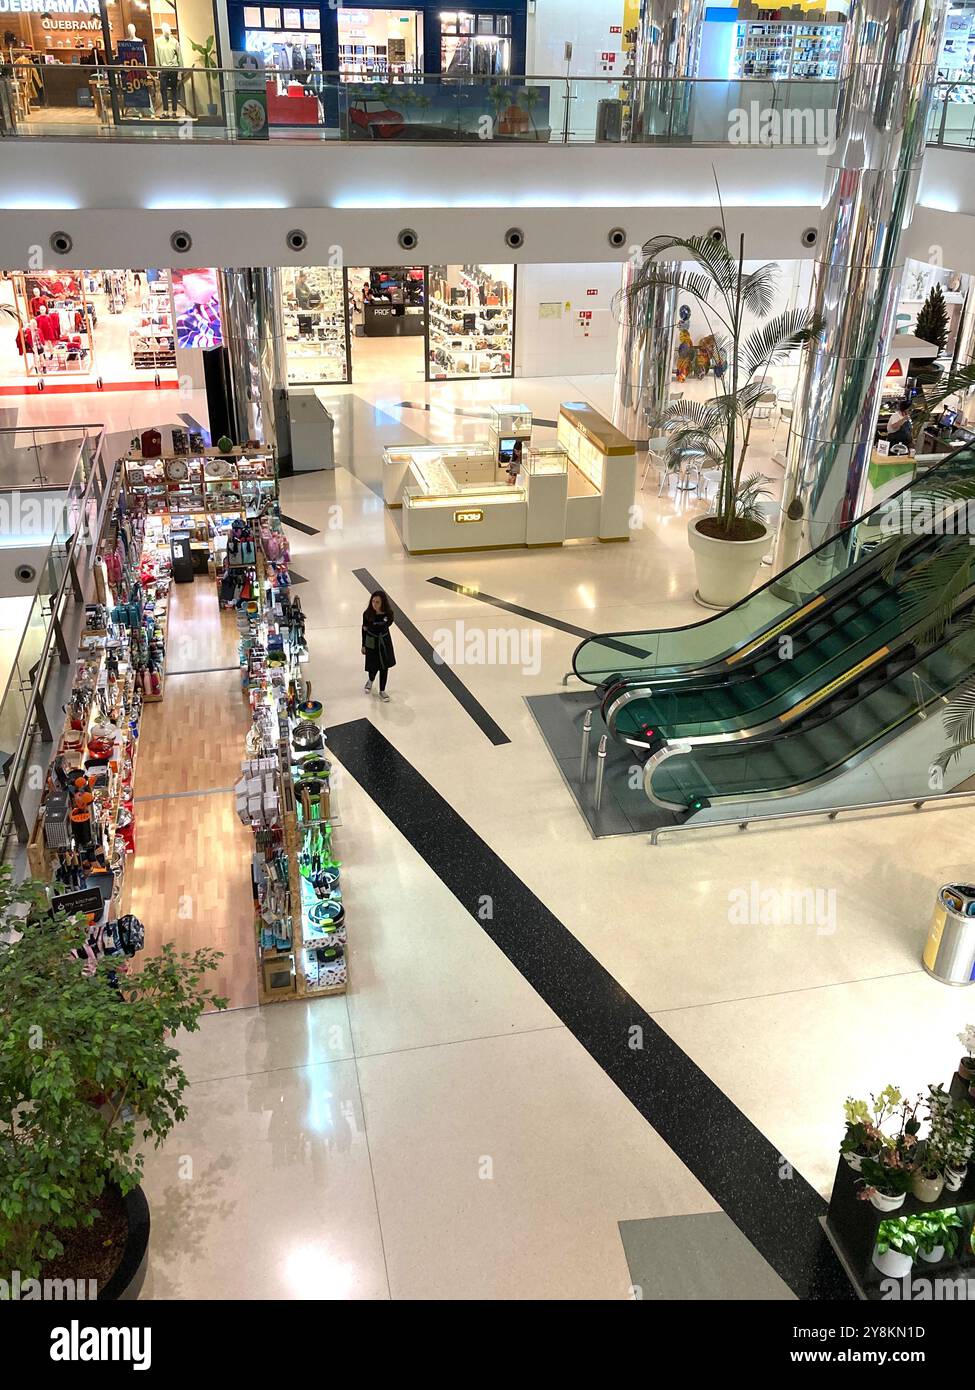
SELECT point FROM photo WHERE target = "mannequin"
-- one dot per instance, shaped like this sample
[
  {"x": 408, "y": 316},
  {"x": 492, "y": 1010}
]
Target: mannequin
[{"x": 170, "y": 60}]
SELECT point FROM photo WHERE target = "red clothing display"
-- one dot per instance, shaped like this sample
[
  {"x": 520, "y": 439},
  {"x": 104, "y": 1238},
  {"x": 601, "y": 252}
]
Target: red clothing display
[{"x": 48, "y": 328}]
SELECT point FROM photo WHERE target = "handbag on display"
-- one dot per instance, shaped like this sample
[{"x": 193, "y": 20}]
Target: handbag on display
[{"x": 151, "y": 441}]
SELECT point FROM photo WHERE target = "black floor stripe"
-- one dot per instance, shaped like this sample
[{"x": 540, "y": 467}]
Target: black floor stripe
[
  {"x": 296, "y": 578},
  {"x": 299, "y": 525},
  {"x": 532, "y": 616},
  {"x": 528, "y": 613},
  {"x": 443, "y": 672},
  {"x": 771, "y": 1204}
]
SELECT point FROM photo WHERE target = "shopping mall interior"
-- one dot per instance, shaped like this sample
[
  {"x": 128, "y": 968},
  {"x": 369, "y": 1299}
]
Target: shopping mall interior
[{"x": 515, "y": 606}]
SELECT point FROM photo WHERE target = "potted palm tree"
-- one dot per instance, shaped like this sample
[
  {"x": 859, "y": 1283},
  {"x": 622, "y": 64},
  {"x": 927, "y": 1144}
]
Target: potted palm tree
[
  {"x": 728, "y": 546},
  {"x": 88, "y": 1076}
]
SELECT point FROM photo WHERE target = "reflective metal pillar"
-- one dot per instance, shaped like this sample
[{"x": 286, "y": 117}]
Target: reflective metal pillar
[
  {"x": 644, "y": 353},
  {"x": 256, "y": 361},
  {"x": 870, "y": 189},
  {"x": 668, "y": 47}
]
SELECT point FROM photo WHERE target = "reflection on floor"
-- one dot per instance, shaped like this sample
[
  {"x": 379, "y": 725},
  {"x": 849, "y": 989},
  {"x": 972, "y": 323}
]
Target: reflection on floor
[{"x": 189, "y": 881}]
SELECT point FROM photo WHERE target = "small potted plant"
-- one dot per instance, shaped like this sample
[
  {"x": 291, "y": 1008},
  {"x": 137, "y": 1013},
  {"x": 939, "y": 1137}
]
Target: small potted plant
[
  {"x": 928, "y": 1179},
  {"x": 864, "y": 1137},
  {"x": 936, "y": 1234},
  {"x": 966, "y": 1067},
  {"x": 886, "y": 1181},
  {"x": 961, "y": 1140},
  {"x": 896, "y": 1247}
]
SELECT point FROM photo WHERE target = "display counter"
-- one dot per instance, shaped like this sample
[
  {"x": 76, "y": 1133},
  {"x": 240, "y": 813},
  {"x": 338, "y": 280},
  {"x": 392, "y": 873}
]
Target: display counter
[
  {"x": 392, "y": 320},
  {"x": 459, "y": 497}
]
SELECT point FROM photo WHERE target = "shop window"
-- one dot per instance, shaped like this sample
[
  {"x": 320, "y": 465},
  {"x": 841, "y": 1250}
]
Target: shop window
[
  {"x": 380, "y": 45},
  {"x": 471, "y": 321},
  {"x": 313, "y": 311},
  {"x": 474, "y": 44}
]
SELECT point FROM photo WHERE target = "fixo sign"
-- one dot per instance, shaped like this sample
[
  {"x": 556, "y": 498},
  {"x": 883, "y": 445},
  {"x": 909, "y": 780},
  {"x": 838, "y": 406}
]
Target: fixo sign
[
  {"x": 49, "y": 7},
  {"x": 463, "y": 518}
]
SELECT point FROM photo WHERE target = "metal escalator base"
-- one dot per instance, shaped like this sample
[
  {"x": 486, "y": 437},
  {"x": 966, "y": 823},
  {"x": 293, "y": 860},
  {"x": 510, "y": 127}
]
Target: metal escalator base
[{"x": 625, "y": 809}]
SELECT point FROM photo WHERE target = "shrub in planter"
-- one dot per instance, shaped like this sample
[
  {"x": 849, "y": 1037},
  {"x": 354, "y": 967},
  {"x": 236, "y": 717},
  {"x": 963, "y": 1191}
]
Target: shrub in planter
[
  {"x": 896, "y": 1247},
  {"x": 87, "y": 1074},
  {"x": 729, "y": 545}
]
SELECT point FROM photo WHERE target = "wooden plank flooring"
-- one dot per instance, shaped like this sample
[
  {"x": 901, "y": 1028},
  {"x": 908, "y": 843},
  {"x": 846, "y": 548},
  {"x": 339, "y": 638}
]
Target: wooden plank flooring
[{"x": 190, "y": 880}]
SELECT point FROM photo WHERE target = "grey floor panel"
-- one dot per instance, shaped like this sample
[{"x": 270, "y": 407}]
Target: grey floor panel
[
  {"x": 625, "y": 809},
  {"x": 697, "y": 1258}
]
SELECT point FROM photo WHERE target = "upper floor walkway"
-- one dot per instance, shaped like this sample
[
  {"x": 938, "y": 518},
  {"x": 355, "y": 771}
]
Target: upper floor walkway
[{"x": 70, "y": 100}]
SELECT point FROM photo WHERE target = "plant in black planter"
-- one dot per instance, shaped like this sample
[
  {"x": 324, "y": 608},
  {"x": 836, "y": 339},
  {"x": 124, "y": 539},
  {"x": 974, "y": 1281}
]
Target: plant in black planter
[{"x": 87, "y": 1074}]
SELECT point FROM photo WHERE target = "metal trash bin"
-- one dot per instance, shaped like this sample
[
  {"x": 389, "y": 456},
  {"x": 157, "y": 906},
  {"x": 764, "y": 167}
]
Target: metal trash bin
[
  {"x": 949, "y": 955},
  {"x": 609, "y": 121}
]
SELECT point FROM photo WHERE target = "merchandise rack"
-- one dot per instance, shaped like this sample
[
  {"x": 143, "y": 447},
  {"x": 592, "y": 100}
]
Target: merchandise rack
[{"x": 777, "y": 49}]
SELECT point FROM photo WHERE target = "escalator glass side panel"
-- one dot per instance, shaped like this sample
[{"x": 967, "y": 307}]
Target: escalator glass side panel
[{"x": 780, "y": 601}]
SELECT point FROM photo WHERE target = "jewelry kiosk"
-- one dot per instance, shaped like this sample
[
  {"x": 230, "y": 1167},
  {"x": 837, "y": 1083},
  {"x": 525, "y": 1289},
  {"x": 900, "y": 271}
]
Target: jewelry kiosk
[{"x": 453, "y": 496}]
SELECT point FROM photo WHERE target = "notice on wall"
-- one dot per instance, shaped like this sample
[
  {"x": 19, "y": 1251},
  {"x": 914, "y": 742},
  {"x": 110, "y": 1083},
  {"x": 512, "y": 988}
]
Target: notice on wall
[{"x": 550, "y": 311}]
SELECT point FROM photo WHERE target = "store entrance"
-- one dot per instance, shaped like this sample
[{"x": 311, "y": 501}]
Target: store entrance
[
  {"x": 387, "y": 308},
  {"x": 380, "y": 45}
]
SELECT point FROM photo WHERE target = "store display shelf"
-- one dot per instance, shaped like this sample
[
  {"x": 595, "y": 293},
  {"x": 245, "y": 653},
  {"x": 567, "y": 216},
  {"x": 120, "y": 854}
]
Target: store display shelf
[{"x": 153, "y": 698}]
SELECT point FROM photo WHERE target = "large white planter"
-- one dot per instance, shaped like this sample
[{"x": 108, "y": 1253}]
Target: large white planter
[
  {"x": 725, "y": 569},
  {"x": 893, "y": 1264}
]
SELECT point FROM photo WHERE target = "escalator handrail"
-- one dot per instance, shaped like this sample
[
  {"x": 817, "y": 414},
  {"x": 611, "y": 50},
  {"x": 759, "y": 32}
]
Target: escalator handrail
[{"x": 776, "y": 578}]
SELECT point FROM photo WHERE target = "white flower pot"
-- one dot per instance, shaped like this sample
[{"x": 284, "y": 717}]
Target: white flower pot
[
  {"x": 725, "y": 569},
  {"x": 854, "y": 1160},
  {"x": 884, "y": 1203},
  {"x": 954, "y": 1178},
  {"x": 893, "y": 1264},
  {"x": 927, "y": 1189},
  {"x": 933, "y": 1256}
]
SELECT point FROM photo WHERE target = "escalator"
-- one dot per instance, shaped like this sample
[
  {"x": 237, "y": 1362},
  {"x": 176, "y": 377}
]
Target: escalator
[
  {"x": 831, "y": 733},
  {"x": 808, "y": 679},
  {"x": 825, "y": 642},
  {"x": 835, "y": 568}
]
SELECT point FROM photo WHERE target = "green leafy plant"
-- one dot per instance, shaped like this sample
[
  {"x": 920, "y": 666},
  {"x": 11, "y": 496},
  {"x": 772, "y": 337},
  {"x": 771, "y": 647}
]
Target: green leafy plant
[
  {"x": 86, "y": 1075},
  {"x": 719, "y": 430},
  {"x": 896, "y": 1233},
  {"x": 207, "y": 54},
  {"x": 934, "y": 1228}
]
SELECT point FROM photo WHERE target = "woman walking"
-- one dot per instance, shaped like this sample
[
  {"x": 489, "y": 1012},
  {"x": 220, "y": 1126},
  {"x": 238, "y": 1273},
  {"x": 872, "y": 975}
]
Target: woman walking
[{"x": 377, "y": 644}]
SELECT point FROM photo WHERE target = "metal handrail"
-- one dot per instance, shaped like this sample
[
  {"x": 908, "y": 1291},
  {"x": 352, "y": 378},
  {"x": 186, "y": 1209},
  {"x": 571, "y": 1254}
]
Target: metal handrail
[
  {"x": 830, "y": 812},
  {"x": 97, "y": 476}
]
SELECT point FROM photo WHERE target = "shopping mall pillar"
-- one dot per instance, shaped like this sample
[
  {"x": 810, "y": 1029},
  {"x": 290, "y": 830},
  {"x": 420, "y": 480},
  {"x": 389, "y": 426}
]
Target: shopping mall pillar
[
  {"x": 668, "y": 46},
  {"x": 645, "y": 350},
  {"x": 872, "y": 173},
  {"x": 257, "y": 376}
]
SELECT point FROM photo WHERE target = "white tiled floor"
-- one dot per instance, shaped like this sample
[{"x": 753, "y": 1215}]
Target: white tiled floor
[{"x": 439, "y": 1133}]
